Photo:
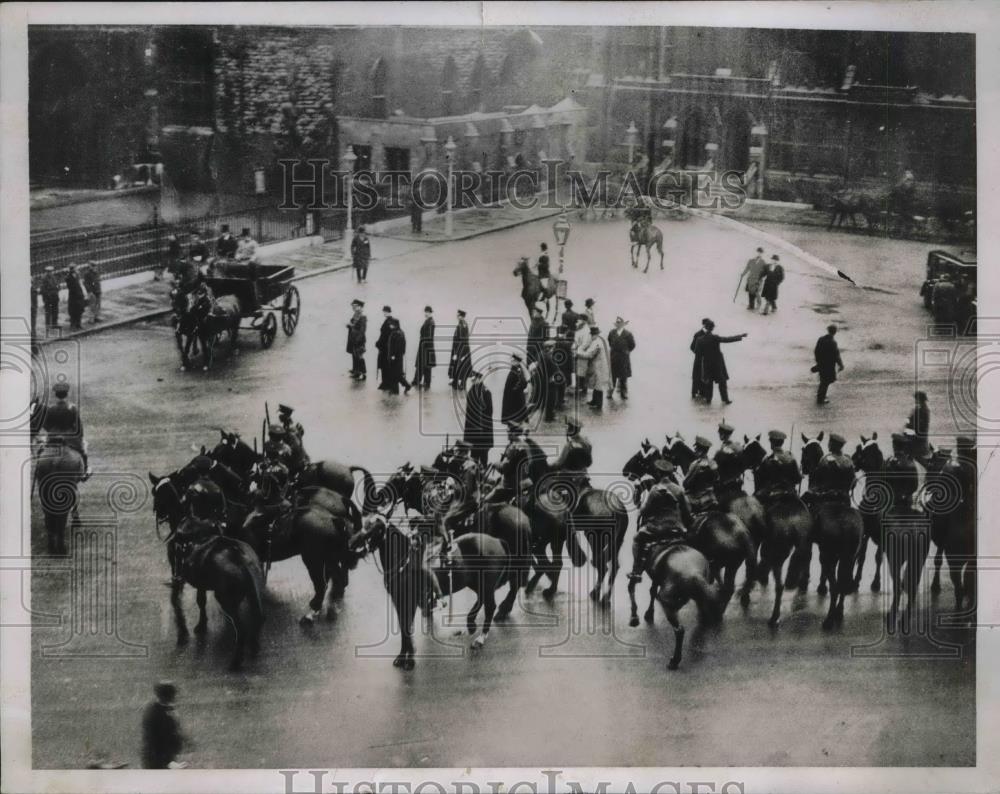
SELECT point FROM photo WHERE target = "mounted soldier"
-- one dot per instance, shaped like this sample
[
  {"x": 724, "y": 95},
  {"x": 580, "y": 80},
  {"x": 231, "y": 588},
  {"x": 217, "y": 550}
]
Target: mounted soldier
[
  {"x": 204, "y": 498},
  {"x": 298, "y": 459},
  {"x": 665, "y": 517},
  {"x": 900, "y": 473},
  {"x": 62, "y": 424},
  {"x": 467, "y": 502},
  {"x": 576, "y": 457},
  {"x": 833, "y": 478},
  {"x": 276, "y": 448},
  {"x": 779, "y": 472},
  {"x": 701, "y": 479},
  {"x": 729, "y": 462}
]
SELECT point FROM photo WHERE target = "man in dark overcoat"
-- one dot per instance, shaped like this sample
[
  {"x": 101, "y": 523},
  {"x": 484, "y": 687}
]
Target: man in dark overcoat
[
  {"x": 514, "y": 407},
  {"x": 426, "y": 357},
  {"x": 357, "y": 331},
  {"x": 77, "y": 298},
  {"x": 395, "y": 356},
  {"x": 382, "y": 343},
  {"x": 458, "y": 367},
  {"x": 621, "y": 343},
  {"x": 479, "y": 419},
  {"x": 772, "y": 279},
  {"x": 697, "y": 385},
  {"x": 538, "y": 331},
  {"x": 828, "y": 362},
  {"x": 713, "y": 363}
]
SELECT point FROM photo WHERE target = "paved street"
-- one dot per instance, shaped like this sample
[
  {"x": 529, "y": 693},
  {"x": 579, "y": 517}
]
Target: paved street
[{"x": 539, "y": 692}]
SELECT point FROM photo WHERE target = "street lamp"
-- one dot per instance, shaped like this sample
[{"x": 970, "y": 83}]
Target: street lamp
[
  {"x": 561, "y": 230},
  {"x": 449, "y": 149},
  {"x": 350, "y": 158},
  {"x": 631, "y": 139}
]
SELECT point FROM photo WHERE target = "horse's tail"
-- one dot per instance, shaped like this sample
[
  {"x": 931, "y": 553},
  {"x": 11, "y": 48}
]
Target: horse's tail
[
  {"x": 355, "y": 515},
  {"x": 749, "y": 554},
  {"x": 253, "y": 578},
  {"x": 369, "y": 500},
  {"x": 576, "y": 552}
]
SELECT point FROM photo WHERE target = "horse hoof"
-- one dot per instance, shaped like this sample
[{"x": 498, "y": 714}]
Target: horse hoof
[
  {"x": 773, "y": 623},
  {"x": 876, "y": 587},
  {"x": 478, "y": 643},
  {"x": 821, "y": 590},
  {"x": 606, "y": 600},
  {"x": 594, "y": 595},
  {"x": 200, "y": 629},
  {"x": 306, "y": 621},
  {"x": 398, "y": 661},
  {"x": 648, "y": 617},
  {"x": 633, "y": 621},
  {"x": 673, "y": 664},
  {"x": 549, "y": 593},
  {"x": 408, "y": 663}
]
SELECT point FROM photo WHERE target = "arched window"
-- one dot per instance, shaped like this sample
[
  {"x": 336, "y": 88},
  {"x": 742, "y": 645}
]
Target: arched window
[
  {"x": 477, "y": 83},
  {"x": 379, "y": 77},
  {"x": 449, "y": 82},
  {"x": 693, "y": 139}
]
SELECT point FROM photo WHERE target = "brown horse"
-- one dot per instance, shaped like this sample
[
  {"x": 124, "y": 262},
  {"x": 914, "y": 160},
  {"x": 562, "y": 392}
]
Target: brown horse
[
  {"x": 644, "y": 235},
  {"x": 869, "y": 460},
  {"x": 479, "y": 562},
  {"x": 952, "y": 512},
  {"x": 532, "y": 289},
  {"x": 679, "y": 574},
  {"x": 215, "y": 317},
  {"x": 58, "y": 471}
]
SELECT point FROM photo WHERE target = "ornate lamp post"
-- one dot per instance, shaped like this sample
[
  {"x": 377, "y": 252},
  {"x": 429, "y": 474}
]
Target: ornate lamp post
[
  {"x": 349, "y": 159},
  {"x": 449, "y": 149},
  {"x": 561, "y": 229}
]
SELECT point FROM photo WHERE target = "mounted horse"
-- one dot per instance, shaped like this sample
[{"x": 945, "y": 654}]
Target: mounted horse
[
  {"x": 532, "y": 289},
  {"x": 869, "y": 460},
  {"x": 58, "y": 471},
  {"x": 644, "y": 235},
  {"x": 479, "y": 562},
  {"x": 185, "y": 326},
  {"x": 949, "y": 497},
  {"x": 215, "y": 317},
  {"x": 837, "y": 530}
]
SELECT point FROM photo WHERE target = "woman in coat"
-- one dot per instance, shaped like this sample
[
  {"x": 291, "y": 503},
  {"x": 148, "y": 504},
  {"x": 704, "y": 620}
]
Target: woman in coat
[
  {"x": 769, "y": 291},
  {"x": 598, "y": 367},
  {"x": 580, "y": 340}
]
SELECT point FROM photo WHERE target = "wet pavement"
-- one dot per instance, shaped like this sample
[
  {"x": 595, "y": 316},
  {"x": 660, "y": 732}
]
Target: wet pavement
[{"x": 547, "y": 688}]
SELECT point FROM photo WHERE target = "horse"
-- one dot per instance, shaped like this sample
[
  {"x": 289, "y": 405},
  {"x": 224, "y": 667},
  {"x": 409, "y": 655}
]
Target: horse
[
  {"x": 600, "y": 515},
  {"x": 185, "y": 326},
  {"x": 952, "y": 514},
  {"x": 644, "y": 235},
  {"x": 679, "y": 573},
  {"x": 640, "y": 469},
  {"x": 787, "y": 532},
  {"x": 58, "y": 469},
  {"x": 869, "y": 460},
  {"x": 479, "y": 562},
  {"x": 532, "y": 290},
  {"x": 837, "y": 530},
  {"x": 215, "y": 316},
  {"x": 227, "y": 567}
]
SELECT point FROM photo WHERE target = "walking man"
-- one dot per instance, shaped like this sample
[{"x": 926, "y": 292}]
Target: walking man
[
  {"x": 460, "y": 355},
  {"x": 361, "y": 254},
  {"x": 426, "y": 357},
  {"x": 514, "y": 407},
  {"x": 357, "y": 329},
  {"x": 161, "y": 733},
  {"x": 713, "y": 363},
  {"x": 92, "y": 281},
  {"x": 622, "y": 343},
  {"x": 828, "y": 362},
  {"x": 772, "y": 279},
  {"x": 697, "y": 385},
  {"x": 479, "y": 419},
  {"x": 754, "y": 271},
  {"x": 77, "y": 300},
  {"x": 382, "y": 344}
]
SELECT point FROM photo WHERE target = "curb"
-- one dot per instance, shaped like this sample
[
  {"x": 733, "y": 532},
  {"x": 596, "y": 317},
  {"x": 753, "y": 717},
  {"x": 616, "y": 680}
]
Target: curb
[{"x": 470, "y": 235}]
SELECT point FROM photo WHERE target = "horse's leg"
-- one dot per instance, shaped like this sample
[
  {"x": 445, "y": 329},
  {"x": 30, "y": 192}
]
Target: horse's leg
[
  {"x": 938, "y": 560},
  {"x": 729, "y": 583},
  {"x": 176, "y": 590},
  {"x": 648, "y": 615},
  {"x": 516, "y": 577},
  {"x": 779, "y": 588},
  {"x": 612, "y": 566},
  {"x": 659, "y": 247},
  {"x": 542, "y": 566},
  {"x": 202, "y": 625},
  {"x": 633, "y": 608},
  {"x": 745, "y": 590},
  {"x": 671, "y": 613},
  {"x": 230, "y": 605},
  {"x": 877, "y": 581},
  {"x": 315, "y": 570},
  {"x": 470, "y": 619},
  {"x": 601, "y": 566},
  {"x": 557, "y": 563},
  {"x": 917, "y": 549},
  {"x": 860, "y": 560},
  {"x": 828, "y": 564},
  {"x": 895, "y": 565},
  {"x": 648, "y": 257},
  {"x": 490, "y": 600}
]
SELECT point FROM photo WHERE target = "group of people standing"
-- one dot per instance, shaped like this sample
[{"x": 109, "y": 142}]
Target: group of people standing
[
  {"x": 83, "y": 288},
  {"x": 763, "y": 279}
]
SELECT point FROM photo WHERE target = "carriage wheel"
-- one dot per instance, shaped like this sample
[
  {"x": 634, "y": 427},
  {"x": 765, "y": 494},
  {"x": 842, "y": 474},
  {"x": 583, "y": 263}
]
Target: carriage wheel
[
  {"x": 268, "y": 330},
  {"x": 291, "y": 305}
]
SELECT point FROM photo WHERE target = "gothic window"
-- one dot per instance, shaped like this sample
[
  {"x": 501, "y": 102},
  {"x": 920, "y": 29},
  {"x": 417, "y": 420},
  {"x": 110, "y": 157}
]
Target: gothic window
[
  {"x": 449, "y": 81},
  {"x": 379, "y": 77}
]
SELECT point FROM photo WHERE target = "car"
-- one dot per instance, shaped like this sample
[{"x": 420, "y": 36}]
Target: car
[{"x": 949, "y": 289}]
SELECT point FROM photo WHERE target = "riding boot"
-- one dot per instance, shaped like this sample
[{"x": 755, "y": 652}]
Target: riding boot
[{"x": 639, "y": 562}]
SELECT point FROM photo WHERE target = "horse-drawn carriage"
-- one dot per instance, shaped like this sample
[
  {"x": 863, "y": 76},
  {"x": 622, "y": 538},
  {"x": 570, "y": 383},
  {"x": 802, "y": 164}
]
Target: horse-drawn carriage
[{"x": 949, "y": 289}]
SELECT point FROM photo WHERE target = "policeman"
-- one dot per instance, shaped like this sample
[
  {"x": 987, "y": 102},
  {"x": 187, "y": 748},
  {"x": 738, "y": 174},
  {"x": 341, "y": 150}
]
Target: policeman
[
  {"x": 729, "y": 460},
  {"x": 779, "y": 472},
  {"x": 205, "y": 499},
  {"x": 702, "y": 477},
  {"x": 276, "y": 448},
  {"x": 833, "y": 478},
  {"x": 665, "y": 517},
  {"x": 293, "y": 438},
  {"x": 62, "y": 424},
  {"x": 468, "y": 476},
  {"x": 901, "y": 472}
]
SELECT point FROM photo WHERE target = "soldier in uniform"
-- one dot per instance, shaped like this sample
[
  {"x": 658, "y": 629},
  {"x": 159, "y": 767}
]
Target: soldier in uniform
[
  {"x": 544, "y": 268},
  {"x": 833, "y": 479},
  {"x": 458, "y": 368},
  {"x": 729, "y": 461},
  {"x": 62, "y": 423},
  {"x": 665, "y": 516},
  {"x": 919, "y": 422},
  {"x": 901, "y": 473},
  {"x": 205, "y": 499},
  {"x": 276, "y": 448},
  {"x": 944, "y": 298},
  {"x": 468, "y": 475},
  {"x": 578, "y": 454},
  {"x": 701, "y": 479},
  {"x": 357, "y": 328},
  {"x": 779, "y": 472},
  {"x": 298, "y": 459}
]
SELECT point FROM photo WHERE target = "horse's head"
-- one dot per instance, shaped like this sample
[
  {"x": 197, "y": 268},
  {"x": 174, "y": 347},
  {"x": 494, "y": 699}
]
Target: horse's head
[
  {"x": 753, "y": 452},
  {"x": 168, "y": 503},
  {"x": 678, "y": 452},
  {"x": 235, "y": 453},
  {"x": 812, "y": 453},
  {"x": 867, "y": 456},
  {"x": 373, "y": 530}
]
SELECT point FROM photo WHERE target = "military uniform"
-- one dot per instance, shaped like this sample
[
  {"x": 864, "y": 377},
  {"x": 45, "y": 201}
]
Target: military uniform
[
  {"x": 900, "y": 473},
  {"x": 62, "y": 424},
  {"x": 833, "y": 478},
  {"x": 576, "y": 455},
  {"x": 665, "y": 517},
  {"x": 778, "y": 472},
  {"x": 297, "y": 457},
  {"x": 729, "y": 462},
  {"x": 700, "y": 481},
  {"x": 468, "y": 476}
]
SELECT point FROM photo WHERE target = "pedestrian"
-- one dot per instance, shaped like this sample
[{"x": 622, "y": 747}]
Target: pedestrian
[
  {"x": 754, "y": 272},
  {"x": 458, "y": 367},
  {"x": 598, "y": 367},
  {"x": 357, "y": 329},
  {"x": 50, "y": 297},
  {"x": 564, "y": 360},
  {"x": 549, "y": 381},
  {"x": 589, "y": 311},
  {"x": 382, "y": 344},
  {"x": 426, "y": 357},
  {"x": 77, "y": 300},
  {"x": 161, "y": 733},
  {"x": 36, "y": 294},
  {"x": 828, "y": 362},
  {"x": 416, "y": 215},
  {"x": 569, "y": 317},
  {"x": 514, "y": 407},
  {"x": 621, "y": 343},
  {"x": 772, "y": 279},
  {"x": 226, "y": 245},
  {"x": 713, "y": 363},
  {"x": 580, "y": 341},
  {"x": 479, "y": 419},
  {"x": 361, "y": 254},
  {"x": 197, "y": 250},
  {"x": 919, "y": 422},
  {"x": 697, "y": 385},
  {"x": 538, "y": 332},
  {"x": 395, "y": 355},
  {"x": 92, "y": 281}
]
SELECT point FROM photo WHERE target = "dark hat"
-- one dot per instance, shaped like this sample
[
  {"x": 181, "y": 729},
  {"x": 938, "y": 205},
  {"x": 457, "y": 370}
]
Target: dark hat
[
  {"x": 428, "y": 309},
  {"x": 776, "y": 435},
  {"x": 831, "y": 329},
  {"x": 387, "y": 309},
  {"x": 361, "y": 228},
  {"x": 165, "y": 690},
  {"x": 760, "y": 250},
  {"x": 275, "y": 430},
  {"x": 594, "y": 330},
  {"x": 620, "y": 321},
  {"x": 588, "y": 302},
  {"x": 899, "y": 438},
  {"x": 356, "y": 302},
  {"x": 775, "y": 258},
  {"x": 461, "y": 313},
  {"x": 462, "y": 444},
  {"x": 574, "y": 424},
  {"x": 202, "y": 463},
  {"x": 60, "y": 389},
  {"x": 284, "y": 410},
  {"x": 919, "y": 395},
  {"x": 836, "y": 440},
  {"x": 725, "y": 427},
  {"x": 664, "y": 465},
  {"x": 545, "y": 246},
  {"x": 516, "y": 357},
  {"x": 702, "y": 442},
  {"x": 225, "y": 227},
  {"x": 568, "y": 303},
  {"x": 708, "y": 323},
  {"x": 246, "y": 231}
]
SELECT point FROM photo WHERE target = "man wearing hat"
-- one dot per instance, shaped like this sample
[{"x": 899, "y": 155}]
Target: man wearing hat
[
  {"x": 50, "y": 297},
  {"x": 466, "y": 501},
  {"x": 753, "y": 272},
  {"x": 779, "y": 472},
  {"x": 729, "y": 462},
  {"x": 357, "y": 331},
  {"x": 828, "y": 362},
  {"x": 538, "y": 332},
  {"x": 772, "y": 279},
  {"x": 246, "y": 248},
  {"x": 426, "y": 357},
  {"x": 665, "y": 516},
  {"x": 544, "y": 268},
  {"x": 697, "y": 384},
  {"x": 361, "y": 254},
  {"x": 299, "y": 459},
  {"x": 901, "y": 473},
  {"x": 565, "y": 361},
  {"x": 382, "y": 344},
  {"x": 161, "y": 734},
  {"x": 713, "y": 362},
  {"x": 919, "y": 422},
  {"x": 965, "y": 470},
  {"x": 62, "y": 424},
  {"x": 458, "y": 366},
  {"x": 569, "y": 317},
  {"x": 621, "y": 343},
  {"x": 204, "y": 497},
  {"x": 479, "y": 419},
  {"x": 833, "y": 478},
  {"x": 701, "y": 478},
  {"x": 92, "y": 281},
  {"x": 598, "y": 360},
  {"x": 276, "y": 447},
  {"x": 577, "y": 456},
  {"x": 514, "y": 407},
  {"x": 641, "y": 466},
  {"x": 197, "y": 250},
  {"x": 77, "y": 300},
  {"x": 226, "y": 245},
  {"x": 547, "y": 381},
  {"x": 588, "y": 311}
]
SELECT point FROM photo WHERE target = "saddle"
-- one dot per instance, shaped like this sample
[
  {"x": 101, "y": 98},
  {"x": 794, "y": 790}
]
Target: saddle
[
  {"x": 193, "y": 548},
  {"x": 661, "y": 549}
]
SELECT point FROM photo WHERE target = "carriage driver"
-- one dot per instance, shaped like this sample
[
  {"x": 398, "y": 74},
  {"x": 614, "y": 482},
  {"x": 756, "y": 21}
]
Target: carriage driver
[
  {"x": 62, "y": 424},
  {"x": 833, "y": 478},
  {"x": 665, "y": 516},
  {"x": 468, "y": 502},
  {"x": 298, "y": 459}
]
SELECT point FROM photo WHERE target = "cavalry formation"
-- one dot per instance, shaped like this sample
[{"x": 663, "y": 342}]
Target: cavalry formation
[{"x": 438, "y": 529}]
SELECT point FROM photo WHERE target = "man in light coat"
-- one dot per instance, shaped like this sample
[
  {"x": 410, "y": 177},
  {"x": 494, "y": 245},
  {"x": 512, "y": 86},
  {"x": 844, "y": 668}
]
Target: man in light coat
[
  {"x": 754, "y": 273},
  {"x": 598, "y": 361}
]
